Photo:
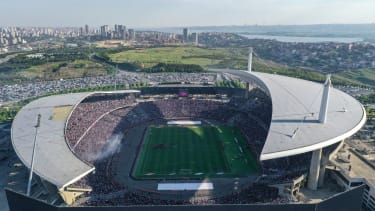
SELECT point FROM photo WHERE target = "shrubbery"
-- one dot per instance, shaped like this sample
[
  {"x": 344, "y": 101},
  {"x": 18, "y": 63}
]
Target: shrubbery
[{"x": 163, "y": 67}]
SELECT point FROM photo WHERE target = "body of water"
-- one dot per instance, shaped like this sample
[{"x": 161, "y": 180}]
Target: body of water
[{"x": 304, "y": 39}]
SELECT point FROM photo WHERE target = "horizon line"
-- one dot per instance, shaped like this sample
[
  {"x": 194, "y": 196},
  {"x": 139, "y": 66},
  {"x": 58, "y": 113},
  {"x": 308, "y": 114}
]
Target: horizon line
[{"x": 194, "y": 26}]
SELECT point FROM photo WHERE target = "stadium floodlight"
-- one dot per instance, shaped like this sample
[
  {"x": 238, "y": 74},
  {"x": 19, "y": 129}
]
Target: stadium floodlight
[{"x": 33, "y": 155}]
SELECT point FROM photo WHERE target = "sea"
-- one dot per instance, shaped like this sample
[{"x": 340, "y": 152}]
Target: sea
[{"x": 304, "y": 39}]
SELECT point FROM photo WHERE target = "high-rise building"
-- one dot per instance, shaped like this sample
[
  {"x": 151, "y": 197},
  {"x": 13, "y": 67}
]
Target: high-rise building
[
  {"x": 185, "y": 33},
  {"x": 1, "y": 38},
  {"x": 86, "y": 29},
  {"x": 104, "y": 31},
  {"x": 116, "y": 28},
  {"x": 195, "y": 38},
  {"x": 122, "y": 32},
  {"x": 131, "y": 34}
]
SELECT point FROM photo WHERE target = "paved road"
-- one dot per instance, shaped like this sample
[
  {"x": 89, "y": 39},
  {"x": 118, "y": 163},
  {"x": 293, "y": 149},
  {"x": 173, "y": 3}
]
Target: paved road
[{"x": 3, "y": 60}]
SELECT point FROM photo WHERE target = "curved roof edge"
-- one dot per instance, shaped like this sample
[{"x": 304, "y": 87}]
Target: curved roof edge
[
  {"x": 269, "y": 156},
  {"x": 77, "y": 178},
  {"x": 54, "y": 160},
  {"x": 88, "y": 94},
  {"x": 51, "y": 147},
  {"x": 60, "y": 166},
  {"x": 295, "y": 103},
  {"x": 51, "y": 143}
]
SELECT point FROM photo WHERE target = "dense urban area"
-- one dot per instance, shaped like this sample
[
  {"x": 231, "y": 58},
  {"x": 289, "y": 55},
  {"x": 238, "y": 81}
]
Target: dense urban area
[
  {"x": 55, "y": 54},
  {"x": 37, "y": 61}
]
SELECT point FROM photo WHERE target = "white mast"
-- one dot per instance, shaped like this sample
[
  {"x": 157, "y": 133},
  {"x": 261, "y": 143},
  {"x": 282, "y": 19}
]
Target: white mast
[
  {"x": 33, "y": 156},
  {"x": 325, "y": 99},
  {"x": 250, "y": 61}
]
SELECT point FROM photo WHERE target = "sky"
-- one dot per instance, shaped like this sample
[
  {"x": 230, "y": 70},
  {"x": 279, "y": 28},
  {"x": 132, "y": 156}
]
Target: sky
[{"x": 165, "y": 13}]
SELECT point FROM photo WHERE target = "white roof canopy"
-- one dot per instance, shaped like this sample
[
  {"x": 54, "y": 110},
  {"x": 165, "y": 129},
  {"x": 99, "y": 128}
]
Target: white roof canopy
[
  {"x": 295, "y": 127},
  {"x": 54, "y": 161}
]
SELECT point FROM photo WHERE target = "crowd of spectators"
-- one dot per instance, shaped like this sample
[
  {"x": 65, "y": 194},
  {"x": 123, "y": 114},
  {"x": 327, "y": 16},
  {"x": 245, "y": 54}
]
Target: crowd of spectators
[
  {"x": 251, "y": 115},
  {"x": 283, "y": 170},
  {"x": 256, "y": 193},
  {"x": 101, "y": 181},
  {"x": 195, "y": 90},
  {"x": 96, "y": 140},
  {"x": 101, "y": 135},
  {"x": 90, "y": 109},
  {"x": 178, "y": 108},
  {"x": 105, "y": 134}
]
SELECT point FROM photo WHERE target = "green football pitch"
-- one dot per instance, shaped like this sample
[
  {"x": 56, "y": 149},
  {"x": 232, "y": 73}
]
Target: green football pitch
[{"x": 172, "y": 152}]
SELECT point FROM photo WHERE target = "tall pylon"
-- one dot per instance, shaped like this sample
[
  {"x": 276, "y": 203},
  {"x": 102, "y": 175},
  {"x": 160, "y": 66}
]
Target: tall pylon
[
  {"x": 250, "y": 61},
  {"x": 325, "y": 98}
]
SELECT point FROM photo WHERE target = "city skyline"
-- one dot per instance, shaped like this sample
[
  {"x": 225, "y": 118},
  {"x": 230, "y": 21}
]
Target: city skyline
[{"x": 179, "y": 13}]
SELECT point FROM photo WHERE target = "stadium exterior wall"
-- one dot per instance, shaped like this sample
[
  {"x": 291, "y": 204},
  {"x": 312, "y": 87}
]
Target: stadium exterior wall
[{"x": 347, "y": 201}]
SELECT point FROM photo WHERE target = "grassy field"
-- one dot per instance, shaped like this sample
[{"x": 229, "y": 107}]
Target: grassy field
[
  {"x": 358, "y": 78},
  {"x": 366, "y": 76},
  {"x": 234, "y": 58},
  {"x": 58, "y": 70},
  {"x": 175, "y": 55},
  {"x": 194, "y": 152}
]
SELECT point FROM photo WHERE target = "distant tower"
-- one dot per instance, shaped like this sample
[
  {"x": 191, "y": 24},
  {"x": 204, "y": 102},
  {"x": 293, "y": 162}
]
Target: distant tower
[
  {"x": 131, "y": 34},
  {"x": 185, "y": 33},
  {"x": 1, "y": 38},
  {"x": 325, "y": 99},
  {"x": 250, "y": 61},
  {"x": 123, "y": 32},
  {"x": 120, "y": 30},
  {"x": 104, "y": 31},
  {"x": 80, "y": 31},
  {"x": 196, "y": 39},
  {"x": 86, "y": 29}
]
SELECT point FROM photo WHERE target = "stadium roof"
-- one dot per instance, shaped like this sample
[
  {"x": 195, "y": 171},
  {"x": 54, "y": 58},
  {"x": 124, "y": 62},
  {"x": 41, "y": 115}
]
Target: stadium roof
[
  {"x": 295, "y": 109},
  {"x": 54, "y": 161}
]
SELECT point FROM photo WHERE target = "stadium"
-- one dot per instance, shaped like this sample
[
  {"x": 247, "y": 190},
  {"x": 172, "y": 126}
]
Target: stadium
[{"x": 187, "y": 145}]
